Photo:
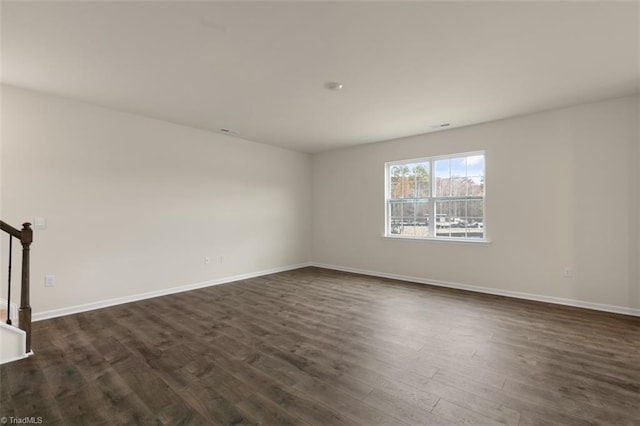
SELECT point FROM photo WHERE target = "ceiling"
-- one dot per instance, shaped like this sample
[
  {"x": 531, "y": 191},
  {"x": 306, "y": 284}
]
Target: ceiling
[{"x": 259, "y": 68}]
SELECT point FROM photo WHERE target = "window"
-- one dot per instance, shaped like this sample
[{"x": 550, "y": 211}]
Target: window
[{"x": 437, "y": 197}]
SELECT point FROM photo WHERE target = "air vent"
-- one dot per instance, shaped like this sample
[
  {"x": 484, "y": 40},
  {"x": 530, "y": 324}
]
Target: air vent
[{"x": 228, "y": 132}]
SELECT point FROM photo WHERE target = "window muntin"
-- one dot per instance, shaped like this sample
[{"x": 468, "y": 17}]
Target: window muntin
[{"x": 454, "y": 197}]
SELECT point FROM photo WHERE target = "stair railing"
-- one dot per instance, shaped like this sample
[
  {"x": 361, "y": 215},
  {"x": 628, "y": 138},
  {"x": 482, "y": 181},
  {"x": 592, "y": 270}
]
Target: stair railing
[{"x": 26, "y": 238}]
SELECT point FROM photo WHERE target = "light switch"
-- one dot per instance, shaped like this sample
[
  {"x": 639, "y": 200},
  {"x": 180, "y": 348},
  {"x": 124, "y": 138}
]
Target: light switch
[
  {"x": 40, "y": 223},
  {"x": 49, "y": 280}
]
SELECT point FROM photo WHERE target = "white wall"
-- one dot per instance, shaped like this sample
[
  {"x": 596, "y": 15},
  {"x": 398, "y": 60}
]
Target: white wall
[
  {"x": 562, "y": 190},
  {"x": 134, "y": 204}
]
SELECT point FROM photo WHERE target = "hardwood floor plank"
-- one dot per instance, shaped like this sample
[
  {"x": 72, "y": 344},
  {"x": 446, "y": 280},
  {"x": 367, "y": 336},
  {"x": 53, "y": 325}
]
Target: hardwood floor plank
[
  {"x": 413, "y": 412},
  {"x": 320, "y": 347},
  {"x": 547, "y": 418},
  {"x": 127, "y": 407},
  {"x": 27, "y": 406},
  {"x": 460, "y": 415},
  {"x": 211, "y": 405},
  {"x": 474, "y": 402},
  {"x": 263, "y": 411},
  {"x": 309, "y": 410}
]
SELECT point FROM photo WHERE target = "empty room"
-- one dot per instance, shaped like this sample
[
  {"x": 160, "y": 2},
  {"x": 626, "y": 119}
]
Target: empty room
[{"x": 320, "y": 213}]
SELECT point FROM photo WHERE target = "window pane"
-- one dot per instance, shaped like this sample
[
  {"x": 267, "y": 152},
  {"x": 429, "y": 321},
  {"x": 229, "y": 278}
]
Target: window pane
[
  {"x": 422, "y": 213},
  {"x": 395, "y": 217},
  {"x": 475, "y": 165},
  {"x": 442, "y": 169},
  {"x": 460, "y": 177},
  {"x": 396, "y": 209},
  {"x": 409, "y": 218},
  {"x": 421, "y": 173},
  {"x": 394, "y": 226},
  {"x": 475, "y": 208},
  {"x": 476, "y": 185},
  {"x": 408, "y": 212},
  {"x": 451, "y": 218},
  {"x": 443, "y": 187},
  {"x": 409, "y": 181},
  {"x": 475, "y": 227},
  {"x": 401, "y": 182},
  {"x": 443, "y": 178},
  {"x": 458, "y": 185},
  {"x": 469, "y": 226},
  {"x": 395, "y": 188},
  {"x": 443, "y": 218},
  {"x": 395, "y": 181},
  {"x": 458, "y": 167}
]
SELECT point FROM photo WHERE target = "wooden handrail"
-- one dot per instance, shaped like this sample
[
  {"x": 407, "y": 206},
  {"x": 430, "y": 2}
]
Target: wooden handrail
[
  {"x": 10, "y": 230},
  {"x": 26, "y": 238}
]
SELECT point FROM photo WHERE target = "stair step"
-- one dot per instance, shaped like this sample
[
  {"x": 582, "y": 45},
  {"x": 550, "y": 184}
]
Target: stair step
[{"x": 12, "y": 343}]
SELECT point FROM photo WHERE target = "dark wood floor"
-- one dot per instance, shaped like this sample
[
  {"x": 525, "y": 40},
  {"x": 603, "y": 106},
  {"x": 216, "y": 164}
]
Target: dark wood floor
[{"x": 320, "y": 347}]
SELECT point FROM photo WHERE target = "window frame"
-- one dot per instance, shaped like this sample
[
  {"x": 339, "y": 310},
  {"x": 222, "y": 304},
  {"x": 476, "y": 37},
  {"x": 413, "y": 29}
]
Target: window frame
[{"x": 432, "y": 199}]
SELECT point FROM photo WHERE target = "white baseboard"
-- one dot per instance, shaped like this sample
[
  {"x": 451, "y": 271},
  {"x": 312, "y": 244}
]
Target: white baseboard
[
  {"x": 141, "y": 296},
  {"x": 38, "y": 316},
  {"x": 495, "y": 291}
]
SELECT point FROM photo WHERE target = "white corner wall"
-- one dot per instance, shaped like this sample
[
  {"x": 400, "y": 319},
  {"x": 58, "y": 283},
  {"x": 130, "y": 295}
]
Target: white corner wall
[
  {"x": 562, "y": 190},
  {"x": 133, "y": 205}
]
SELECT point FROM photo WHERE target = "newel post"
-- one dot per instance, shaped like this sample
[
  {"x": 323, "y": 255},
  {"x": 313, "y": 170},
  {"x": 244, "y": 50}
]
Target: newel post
[{"x": 24, "y": 315}]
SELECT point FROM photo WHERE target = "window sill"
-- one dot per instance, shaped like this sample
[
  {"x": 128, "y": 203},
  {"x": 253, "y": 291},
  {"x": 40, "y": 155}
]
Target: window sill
[{"x": 473, "y": 242}]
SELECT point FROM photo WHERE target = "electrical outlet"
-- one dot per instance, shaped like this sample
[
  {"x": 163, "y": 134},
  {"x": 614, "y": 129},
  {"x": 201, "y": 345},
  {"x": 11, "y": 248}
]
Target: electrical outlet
[
  {"x": 207, "y": 260},
  {"x": 39, "y": 224},
  {"x": 49, "y": 280},
  {"x": 567, "y": 272}
]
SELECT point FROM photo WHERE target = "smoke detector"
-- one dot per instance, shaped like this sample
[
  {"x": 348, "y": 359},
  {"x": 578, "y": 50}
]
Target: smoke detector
[{"x": 333, "y": 85}]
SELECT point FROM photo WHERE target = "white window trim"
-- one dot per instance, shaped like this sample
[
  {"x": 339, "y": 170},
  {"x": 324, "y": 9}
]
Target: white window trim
[
  {"x": 432, "y": 237},
  {"x": 445, "y": 240}
]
